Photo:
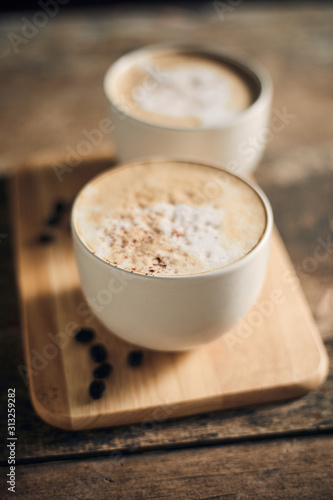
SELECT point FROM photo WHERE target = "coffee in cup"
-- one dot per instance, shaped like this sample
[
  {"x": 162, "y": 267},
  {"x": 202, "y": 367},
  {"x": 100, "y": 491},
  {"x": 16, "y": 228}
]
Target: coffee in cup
[
  {"x": 171, "y": 253},
  {"x": 192, "y": 102},
  {"x": 182, "y": 89},
  {"x": 169, "y": 218}
]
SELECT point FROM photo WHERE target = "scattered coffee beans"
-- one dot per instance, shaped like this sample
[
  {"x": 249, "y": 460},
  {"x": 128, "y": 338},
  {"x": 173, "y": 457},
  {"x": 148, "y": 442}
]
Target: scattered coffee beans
[
  {"x": 97, "y": 389},
  {"x": 102, "y": 370},
  {"x": 60, "y": 206},
  {"x": 53, "y": 220},
  {"x": 46, "y": 238},
  {"x": 84, "y": 335},
  {"x": 135, "y": 358},
  {"x": 98, "y": 353}
]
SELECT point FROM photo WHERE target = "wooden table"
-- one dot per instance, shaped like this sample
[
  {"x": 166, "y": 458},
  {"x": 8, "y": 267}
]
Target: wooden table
[{"x": 51, "y": 92}]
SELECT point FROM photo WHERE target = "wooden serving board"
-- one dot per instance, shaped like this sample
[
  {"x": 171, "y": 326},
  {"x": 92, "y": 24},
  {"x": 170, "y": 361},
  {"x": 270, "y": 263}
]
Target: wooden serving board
[{"x": 275, "y": 353}]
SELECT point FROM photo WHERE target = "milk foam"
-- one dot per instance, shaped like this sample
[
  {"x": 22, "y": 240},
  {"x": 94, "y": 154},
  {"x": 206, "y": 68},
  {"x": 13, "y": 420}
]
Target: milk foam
[
  {"x": 160, "y": 218},
  {"x": 181, "y": 89},
  {"x": 166, "y": 239},
  {"x": 189, "y": 91},
  {"x": 188, "y": 235}
]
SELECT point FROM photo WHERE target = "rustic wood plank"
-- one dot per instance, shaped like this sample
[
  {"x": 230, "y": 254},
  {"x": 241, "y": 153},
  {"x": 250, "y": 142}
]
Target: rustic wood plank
[{"x": 272, "y": 469}]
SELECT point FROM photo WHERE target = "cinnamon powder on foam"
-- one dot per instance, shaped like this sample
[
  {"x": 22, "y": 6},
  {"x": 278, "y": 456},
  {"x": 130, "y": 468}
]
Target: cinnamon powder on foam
[{"x": 158, "y": 219}]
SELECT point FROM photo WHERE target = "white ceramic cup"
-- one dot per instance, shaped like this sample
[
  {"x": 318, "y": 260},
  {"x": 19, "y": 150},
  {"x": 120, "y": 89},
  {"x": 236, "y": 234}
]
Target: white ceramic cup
[
  {"x": 172, "y": 313},
  {"x": 229, "y": 145}
]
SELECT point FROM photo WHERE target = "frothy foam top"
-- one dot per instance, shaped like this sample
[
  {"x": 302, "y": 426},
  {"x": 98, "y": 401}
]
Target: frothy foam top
[
  {"x": 182, "y": 90},
  {"x": 169, "y": 218}
]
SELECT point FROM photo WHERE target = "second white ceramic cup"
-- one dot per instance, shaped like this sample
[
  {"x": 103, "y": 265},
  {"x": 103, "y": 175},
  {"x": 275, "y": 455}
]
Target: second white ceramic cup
[{"x": 228, "y": 145}]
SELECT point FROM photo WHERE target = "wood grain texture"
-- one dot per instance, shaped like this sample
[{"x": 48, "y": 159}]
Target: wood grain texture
[
  {"x": 280, "y": 469},
  {"x": 274, "y": 353}
]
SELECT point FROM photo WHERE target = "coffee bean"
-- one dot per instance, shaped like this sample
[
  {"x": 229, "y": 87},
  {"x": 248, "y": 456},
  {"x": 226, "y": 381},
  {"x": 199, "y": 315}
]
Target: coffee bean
[
  {"x": 96, "y": 389},
  {"x": 53, "y": 220},
  {"x": 46, "y": 238},
  {"x": 103, "y": 370},
  {"x": 84, "y": 335},
  {"x": 98, "y": 353},
  {"x": 135, "y": 358},
  {"x": 60, "y": 206}
]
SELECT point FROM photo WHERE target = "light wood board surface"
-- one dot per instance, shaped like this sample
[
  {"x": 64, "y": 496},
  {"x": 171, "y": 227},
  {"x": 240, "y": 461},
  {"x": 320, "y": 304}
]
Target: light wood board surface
[{"x": 275, "y": 353}]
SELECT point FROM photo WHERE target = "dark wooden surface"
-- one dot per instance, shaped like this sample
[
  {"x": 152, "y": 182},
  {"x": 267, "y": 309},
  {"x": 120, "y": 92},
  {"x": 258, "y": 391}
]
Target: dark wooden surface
[{"x": 51, "y": 91}]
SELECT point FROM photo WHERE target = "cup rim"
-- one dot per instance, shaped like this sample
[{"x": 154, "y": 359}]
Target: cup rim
[
  {"x": 251, "y": 68},
  {"x": 221, "y": 270}
]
